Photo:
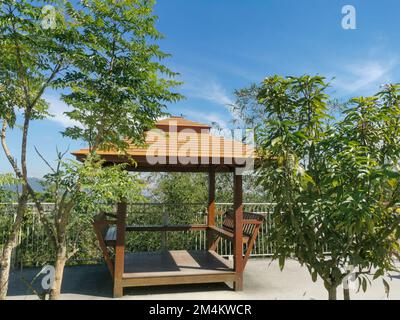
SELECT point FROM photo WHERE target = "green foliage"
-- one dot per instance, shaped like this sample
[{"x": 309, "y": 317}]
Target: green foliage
[
  {"x": 79, "y": 191},
  {"x": 104, "y": 53},
  {"x": 335, "y": 182},
  {"x": 118, "y": 88},
  {"x": 32, "y": 58},
  {"x": 91, "y": 186},
  {"x": 7, "y": 182},
  {"x": 181, "y": 188},
  {"x": 193, "y": 188}
]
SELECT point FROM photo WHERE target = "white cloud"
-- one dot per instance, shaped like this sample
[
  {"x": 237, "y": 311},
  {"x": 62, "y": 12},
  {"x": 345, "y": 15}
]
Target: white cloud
[
  {"x": 208, "y": 117},
  {"x": 365, "y": 77},
  {"x": 57, "y": 109},
  {"x": 207, "y": 89},
  {"x": 210, "y": 90}
]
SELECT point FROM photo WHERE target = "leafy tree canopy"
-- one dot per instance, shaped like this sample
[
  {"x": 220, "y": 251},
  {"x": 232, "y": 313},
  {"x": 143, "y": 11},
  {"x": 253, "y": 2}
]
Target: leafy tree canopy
[
  {"x": 335, "y": 181},
  {"x": 118, "y": 85}
]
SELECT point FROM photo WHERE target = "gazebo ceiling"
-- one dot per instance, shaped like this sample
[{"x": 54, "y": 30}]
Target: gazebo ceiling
[{"x": 178, "y": 144}]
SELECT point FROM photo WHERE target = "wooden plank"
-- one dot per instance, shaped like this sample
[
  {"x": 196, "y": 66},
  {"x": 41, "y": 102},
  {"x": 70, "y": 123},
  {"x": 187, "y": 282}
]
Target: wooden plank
[
  {"x": 252, "y": 221},
  {"x": 103, "y": 247},
  {"x": 211, "y": 209},
  {"x": 238, "y": 232},
  {"x": 120, "y": 249},
  {"x": 189, "y": 279},
  {"x": 226, "y": 234},
  {"x": 250, "y": 245},
  {"x": 160, "y": 228},
  {"x": 174, "y": 263},
  {"x": 143, "y": 166}
]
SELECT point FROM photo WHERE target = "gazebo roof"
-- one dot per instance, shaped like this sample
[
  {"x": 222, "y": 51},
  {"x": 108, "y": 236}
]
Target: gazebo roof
[
  {"x": 179, "y": 144},
  {"x": 181, "y": 123}
]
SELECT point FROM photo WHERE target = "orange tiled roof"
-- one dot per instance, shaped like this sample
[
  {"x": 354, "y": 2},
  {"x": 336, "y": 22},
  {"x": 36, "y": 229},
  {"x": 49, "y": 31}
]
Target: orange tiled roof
[
  {"x": 180, "y": 122},
  {"x": 187, "y": 144}
]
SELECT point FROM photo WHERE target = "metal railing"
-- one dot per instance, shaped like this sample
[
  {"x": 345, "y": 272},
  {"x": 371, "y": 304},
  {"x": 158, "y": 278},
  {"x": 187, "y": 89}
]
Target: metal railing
[{"x": 34, "y": 248}]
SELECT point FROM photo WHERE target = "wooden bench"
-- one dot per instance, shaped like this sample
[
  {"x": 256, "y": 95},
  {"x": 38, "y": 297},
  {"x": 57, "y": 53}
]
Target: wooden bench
[
  {"x": 104, "y": 225},
  {"x": 251, "y": 225},
  {"x": 106, "y": 233}
]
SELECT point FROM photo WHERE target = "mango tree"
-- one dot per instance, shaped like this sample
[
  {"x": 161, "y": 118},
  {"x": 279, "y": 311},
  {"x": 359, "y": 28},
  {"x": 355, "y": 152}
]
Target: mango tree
[{"x": 334, "y": 179}]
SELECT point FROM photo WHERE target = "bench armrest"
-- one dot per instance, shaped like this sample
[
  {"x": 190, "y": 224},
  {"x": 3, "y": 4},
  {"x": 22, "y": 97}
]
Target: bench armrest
[{"x": 223, "y": 233}]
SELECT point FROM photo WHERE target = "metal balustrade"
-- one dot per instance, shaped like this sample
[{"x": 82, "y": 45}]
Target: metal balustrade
[{"x": 34, "y": 247}]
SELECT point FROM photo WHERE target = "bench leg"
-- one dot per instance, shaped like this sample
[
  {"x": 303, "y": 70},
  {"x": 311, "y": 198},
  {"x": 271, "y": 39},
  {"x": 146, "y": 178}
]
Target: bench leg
[{"x": 238, "y": 283}]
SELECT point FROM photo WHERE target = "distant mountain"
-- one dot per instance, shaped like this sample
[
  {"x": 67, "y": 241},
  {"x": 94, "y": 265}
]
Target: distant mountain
[{"x": 34, "y": 182}]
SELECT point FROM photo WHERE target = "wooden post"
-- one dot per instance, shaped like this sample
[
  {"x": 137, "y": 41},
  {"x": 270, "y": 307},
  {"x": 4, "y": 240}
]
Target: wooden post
[
  {"x": 238, "y": 228},
  {"x": 119, "y": 250},
  {"x": 211, "y": 208}
]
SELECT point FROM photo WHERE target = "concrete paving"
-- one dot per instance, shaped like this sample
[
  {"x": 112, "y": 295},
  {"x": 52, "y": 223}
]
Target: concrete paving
[{"x": 263, "y": 280}]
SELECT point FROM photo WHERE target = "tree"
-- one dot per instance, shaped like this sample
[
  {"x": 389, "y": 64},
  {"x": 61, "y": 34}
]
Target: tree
[
  {"x": 181, "y": 188},
  {"x": 116, "y": 87},
  {"x": 33, "y": 57},
  {"x": 105, "y": 53},
  {"x": 86, "y": 188},
  {"x": 191, "y": 188},
  {"x": 335, "y": 182},
  {"x": 118, "y": 91},
  {"x": 7, "y": 182}
]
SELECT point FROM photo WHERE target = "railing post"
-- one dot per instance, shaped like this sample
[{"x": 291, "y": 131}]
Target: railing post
[{"x": 165, "y": 221}]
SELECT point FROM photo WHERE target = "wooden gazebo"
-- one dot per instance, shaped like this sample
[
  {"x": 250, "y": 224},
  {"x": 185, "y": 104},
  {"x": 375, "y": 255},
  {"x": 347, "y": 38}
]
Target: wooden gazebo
[{"x": 181, "y": 145}]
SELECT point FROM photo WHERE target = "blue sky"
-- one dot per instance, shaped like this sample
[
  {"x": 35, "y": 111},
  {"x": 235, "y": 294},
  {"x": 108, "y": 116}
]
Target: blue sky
[{"x": 220, "y": 45}]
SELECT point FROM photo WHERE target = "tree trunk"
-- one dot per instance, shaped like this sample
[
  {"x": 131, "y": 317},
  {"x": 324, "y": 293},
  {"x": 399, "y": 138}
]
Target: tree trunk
[
  {"x": 5, "y": 262},
  {"x": 332, "y": 293},
  {"x": 61, "y": 259},
  {"x": 5, "y": 267}
]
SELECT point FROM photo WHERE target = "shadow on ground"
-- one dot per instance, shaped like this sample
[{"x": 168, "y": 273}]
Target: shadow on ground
[
  {"x": 263, "y": 279},
  {"x": 95, "y": 281},
  {"x": 184, "y": 288}
]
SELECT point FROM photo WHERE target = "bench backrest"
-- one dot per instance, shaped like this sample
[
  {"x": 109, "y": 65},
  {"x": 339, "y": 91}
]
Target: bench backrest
[
  {"x": 248, "y": 228},
  {"x": 101, "y": 222}
]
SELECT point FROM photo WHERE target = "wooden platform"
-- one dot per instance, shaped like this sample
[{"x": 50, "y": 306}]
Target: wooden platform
[{"x": 176, "y": 267}]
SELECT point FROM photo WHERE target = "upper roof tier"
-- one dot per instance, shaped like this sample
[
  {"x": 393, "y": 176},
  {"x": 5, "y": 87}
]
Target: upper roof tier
[{"x": 181, "y": 124}]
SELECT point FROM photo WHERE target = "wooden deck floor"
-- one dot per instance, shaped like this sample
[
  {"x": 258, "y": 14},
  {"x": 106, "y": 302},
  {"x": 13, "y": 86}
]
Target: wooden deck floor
[{"x": 173, "y": 267}]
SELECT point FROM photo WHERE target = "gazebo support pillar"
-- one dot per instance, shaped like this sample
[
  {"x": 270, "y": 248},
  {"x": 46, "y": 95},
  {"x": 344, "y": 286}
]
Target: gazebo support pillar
[
  {"x": 238, "y": 228},
  {"x": 211, "y": 208},
  {"x": 119, "y": 250}
]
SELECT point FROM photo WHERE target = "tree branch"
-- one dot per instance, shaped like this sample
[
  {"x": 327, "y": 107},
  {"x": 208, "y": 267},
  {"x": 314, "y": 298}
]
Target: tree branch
[
  {"x": 7, "y": 151},
  {"x": 19, "y": 175}
]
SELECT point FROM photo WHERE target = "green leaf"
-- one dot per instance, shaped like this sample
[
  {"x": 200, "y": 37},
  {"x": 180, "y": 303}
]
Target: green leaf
[
  {"x": 387, "y": 287},
  {"x": 314, "y": 276},
  {"x": 378, "y": 274},
  {"x": 281, "y": 262},
  {"x": 364, "y": 284}
]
